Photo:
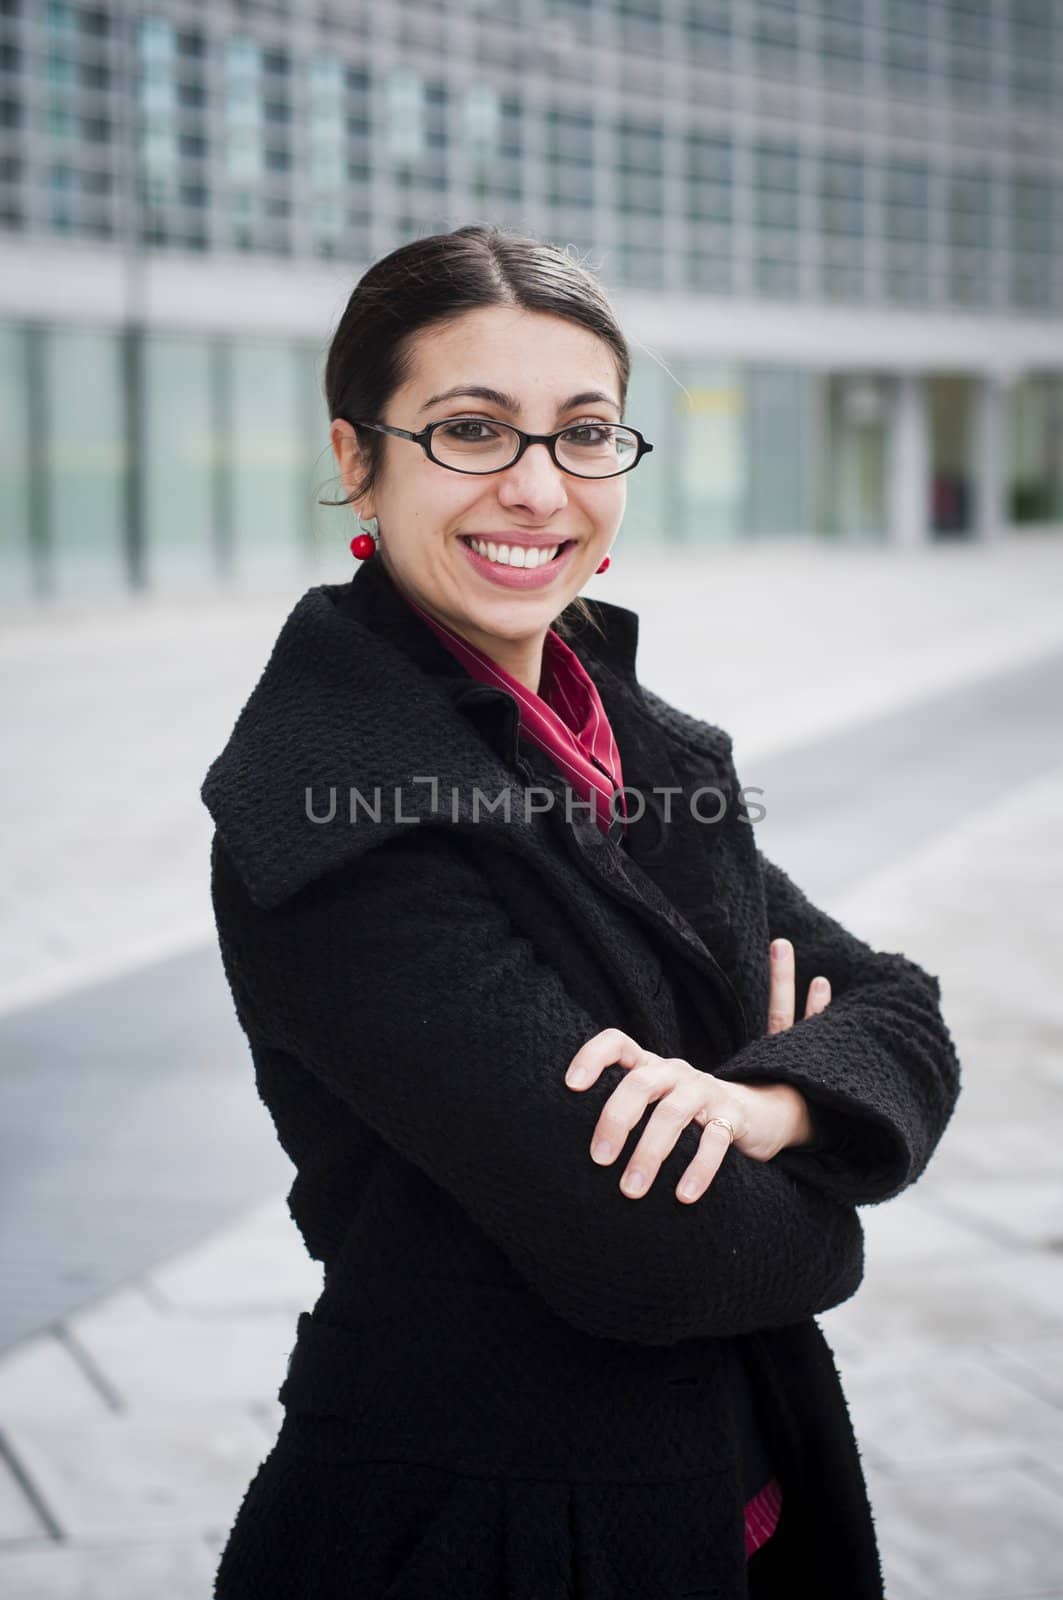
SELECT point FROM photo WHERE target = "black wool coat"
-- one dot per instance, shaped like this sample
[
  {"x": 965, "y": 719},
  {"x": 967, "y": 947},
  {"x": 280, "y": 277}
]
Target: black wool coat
[{"x": 517, "y": 1383}]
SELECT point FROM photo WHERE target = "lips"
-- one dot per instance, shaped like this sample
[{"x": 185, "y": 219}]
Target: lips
[{"x": 506, "y": 577}]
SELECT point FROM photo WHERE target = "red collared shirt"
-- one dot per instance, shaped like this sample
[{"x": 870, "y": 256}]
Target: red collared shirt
[{"x": 567, "y": 720}]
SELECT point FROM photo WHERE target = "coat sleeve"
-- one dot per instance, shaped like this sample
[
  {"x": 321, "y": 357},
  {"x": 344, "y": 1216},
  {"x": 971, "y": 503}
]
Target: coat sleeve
[
  {"x": 399, "y": 981},
  {"x": 878, "y": 1067},
  {"x": 831, "y": 1129}
]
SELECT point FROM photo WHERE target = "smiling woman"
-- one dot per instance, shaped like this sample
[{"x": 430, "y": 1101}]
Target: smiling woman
[
  {"x": 540, "y": 503},
  {"x": 580, "y": 1158}
]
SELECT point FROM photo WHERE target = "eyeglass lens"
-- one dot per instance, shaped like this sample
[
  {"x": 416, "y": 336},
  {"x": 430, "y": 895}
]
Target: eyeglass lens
[{"x": 597, "y": 449}]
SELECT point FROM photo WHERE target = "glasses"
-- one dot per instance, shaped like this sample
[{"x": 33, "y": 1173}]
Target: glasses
[{"x": 474, "y": 444}]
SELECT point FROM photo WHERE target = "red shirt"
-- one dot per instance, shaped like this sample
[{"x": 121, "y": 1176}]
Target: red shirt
[{"x": 568, "y": 721}]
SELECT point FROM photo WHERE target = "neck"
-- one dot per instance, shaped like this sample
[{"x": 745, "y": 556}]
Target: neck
[{"x": 521, "y": 658}]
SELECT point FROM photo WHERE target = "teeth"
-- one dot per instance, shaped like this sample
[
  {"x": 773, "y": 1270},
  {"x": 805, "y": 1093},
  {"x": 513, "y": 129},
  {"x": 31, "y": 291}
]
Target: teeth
[{"x": 514, "y": 555}]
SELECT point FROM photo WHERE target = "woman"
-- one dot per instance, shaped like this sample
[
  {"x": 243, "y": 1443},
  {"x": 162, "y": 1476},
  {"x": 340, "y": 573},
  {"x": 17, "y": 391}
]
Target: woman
[{"x": 460, "y": 854}]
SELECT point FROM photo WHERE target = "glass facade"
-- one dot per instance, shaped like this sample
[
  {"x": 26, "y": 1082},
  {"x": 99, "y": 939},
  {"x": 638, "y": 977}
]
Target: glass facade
[
  {"x": 230, "y": 487},
  {"x": 857, "y": 421},
  {"x": 297, "y": 132},
  {"x": 1036, "y": 476},
  {"x": 84, "y": 457},
  {"x": 876, "y": 155},
  {"x": 180, "y": 467},
  {"x": 16, "y": 431}
]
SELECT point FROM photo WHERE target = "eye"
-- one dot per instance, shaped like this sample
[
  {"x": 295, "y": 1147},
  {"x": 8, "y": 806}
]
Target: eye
[
  {"x": 591, "y": 433},
  {"x": 468, "y": 430}
]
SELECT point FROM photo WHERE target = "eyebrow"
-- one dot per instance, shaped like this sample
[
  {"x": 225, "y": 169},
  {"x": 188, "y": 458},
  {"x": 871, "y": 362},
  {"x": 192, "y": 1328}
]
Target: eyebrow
[{"x": 507, "y": 402}]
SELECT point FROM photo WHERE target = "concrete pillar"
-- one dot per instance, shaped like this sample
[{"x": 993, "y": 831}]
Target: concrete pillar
[
  {"x": 908, "y": 462},
  {"x": 989, "y": 456}
]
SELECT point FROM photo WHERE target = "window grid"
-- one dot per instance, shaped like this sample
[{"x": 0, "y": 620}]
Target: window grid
[{"x": 261, "y": 155}]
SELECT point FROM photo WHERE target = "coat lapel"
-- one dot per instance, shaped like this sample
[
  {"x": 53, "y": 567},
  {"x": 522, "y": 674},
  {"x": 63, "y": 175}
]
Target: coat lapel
[
  {"x": 664, "y": 871},
  {"x": 355, "y": 708}
]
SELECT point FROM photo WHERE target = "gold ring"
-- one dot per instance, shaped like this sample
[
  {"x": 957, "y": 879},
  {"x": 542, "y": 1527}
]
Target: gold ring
[{"x": 723, "y": 1124}]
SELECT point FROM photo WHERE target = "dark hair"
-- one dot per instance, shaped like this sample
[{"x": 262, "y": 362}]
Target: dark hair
[{"x": 434, "y": 280}]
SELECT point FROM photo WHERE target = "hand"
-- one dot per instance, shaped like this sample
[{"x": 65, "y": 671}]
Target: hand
[
  {"x": 782, "y": 998},
  {"x": 781, "y": 1004},
  {"x": 766, "y": 1118}
]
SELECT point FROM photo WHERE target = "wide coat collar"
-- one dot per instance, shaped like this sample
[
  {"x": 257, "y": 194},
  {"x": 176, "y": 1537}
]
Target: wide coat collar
[{"x": 359, "y": 695}]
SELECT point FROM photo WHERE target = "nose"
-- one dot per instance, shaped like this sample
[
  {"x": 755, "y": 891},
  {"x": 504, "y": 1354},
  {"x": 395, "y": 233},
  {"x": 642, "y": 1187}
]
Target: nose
[{"x": 534, "y": 483}]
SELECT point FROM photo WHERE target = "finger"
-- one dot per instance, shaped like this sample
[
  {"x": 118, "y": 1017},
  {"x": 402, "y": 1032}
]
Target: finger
[
  {"x": 705, "y": 1165},
  {"x": 608, "y": 1048},
  {"x": 781, "y": 997},
  {"x": 818, "y": 996},
  {"x": 653, "y": 1078},
  {"x": 659, "y": 1139}
]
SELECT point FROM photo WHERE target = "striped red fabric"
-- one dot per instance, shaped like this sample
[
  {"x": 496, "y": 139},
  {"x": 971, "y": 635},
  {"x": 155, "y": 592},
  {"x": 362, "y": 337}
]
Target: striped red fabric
[
  {"x": 762, "y": 1515},
  {"x": 573, "y": 729},
  {"x": 568, "y": 720}
]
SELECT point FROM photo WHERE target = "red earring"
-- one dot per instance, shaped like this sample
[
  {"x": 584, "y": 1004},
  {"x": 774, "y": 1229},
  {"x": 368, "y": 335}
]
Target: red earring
[
  {"x": 603, "y": 566},
  {"x": 364, "y": 544}
]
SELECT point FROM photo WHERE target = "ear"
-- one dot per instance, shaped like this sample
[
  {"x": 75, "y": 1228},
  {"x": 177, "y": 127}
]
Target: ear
[{"x": 350, "y": 460}]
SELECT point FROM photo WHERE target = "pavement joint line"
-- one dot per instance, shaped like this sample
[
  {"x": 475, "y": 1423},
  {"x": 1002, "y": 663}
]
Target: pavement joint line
[
  {"x": 154, "y": 1295},
  {"x": 84, "y": 1361},
  {"x": 1022, "y": 1376},
  {"x": 1043, "y": 1471},
  {"x": 1009, "y": 1239},
  {"x": 92, "y": 971},
  {"x": 902, "y": 703},
  {"x": 52, "y": 1527},
  {"x": 846, "y": 770}
]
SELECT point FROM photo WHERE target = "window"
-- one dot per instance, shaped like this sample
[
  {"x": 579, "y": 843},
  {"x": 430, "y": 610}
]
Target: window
[
  {"x": 906, "y": 48},
  {"x": 775, "y": 39},
  {"x": 841, "y": 51},
  {"x": 481, "y": 120},
  {"x": 639, "y": 156},
  {"x": 1031, "y": 228},
  {"x": 1033, "y": 41},
  {"x": 709, "y": 176},
  {"x": 243, "y": 112},
  {"x": 969, "y": 213},
  {"x": 841, "y": 194},
  {"x": 569, "y": 158},
  {"x": 775, "y": 179},
  {"x": 157, "y": 109},
  {"x": 639, "y": 26},
  {"x": 969, "y": 236},
  {"x": 707, "y": 26},
  {"x": 325, "y": 131},
  {"x": 406, "y": 133}
]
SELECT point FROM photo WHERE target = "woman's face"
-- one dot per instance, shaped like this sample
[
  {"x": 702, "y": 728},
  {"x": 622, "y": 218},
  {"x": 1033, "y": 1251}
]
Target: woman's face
[{"x": 545, "y": 373}]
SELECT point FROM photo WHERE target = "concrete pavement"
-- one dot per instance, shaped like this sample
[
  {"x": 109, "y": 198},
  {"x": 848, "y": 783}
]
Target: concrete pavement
[{"x": 130, "y": 1427}]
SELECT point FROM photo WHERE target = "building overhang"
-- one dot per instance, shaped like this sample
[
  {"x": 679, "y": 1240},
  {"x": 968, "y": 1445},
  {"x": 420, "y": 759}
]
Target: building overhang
[{"x": 81, "y": 282}]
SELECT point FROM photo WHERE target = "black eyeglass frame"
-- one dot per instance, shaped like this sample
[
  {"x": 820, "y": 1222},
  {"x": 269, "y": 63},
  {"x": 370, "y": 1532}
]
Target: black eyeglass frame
[{"x": 424, "y": 439}]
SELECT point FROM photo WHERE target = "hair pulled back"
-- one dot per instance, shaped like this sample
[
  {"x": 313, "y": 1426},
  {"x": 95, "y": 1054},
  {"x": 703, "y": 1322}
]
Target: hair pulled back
[{"x": 434, "y": 280}]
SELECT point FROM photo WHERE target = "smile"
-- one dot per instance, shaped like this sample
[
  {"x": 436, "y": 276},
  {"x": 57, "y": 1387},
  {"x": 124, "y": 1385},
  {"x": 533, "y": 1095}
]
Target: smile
[{"x": 517, "y": 566}]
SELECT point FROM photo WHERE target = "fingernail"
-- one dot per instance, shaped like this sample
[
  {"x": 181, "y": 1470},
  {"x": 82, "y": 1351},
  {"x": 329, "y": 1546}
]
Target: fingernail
[
  {"x": 820, "y": 985},
  {"x": 634, "y": 1183},
  {"x": 576, "y": 1078},
  {"x": 602, "y": 1150},
  {"x": 777, "y": 948},
  {"x": 688, "y": 1189}
]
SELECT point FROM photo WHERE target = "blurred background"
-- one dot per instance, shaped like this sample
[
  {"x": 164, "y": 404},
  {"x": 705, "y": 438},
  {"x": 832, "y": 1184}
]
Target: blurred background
[
  {"x": 838, "y": 225},
  {"x": 833, "y": 232}
]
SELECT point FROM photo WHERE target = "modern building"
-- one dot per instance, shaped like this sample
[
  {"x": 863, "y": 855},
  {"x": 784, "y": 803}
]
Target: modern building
[{"x": 833, "y": 230}]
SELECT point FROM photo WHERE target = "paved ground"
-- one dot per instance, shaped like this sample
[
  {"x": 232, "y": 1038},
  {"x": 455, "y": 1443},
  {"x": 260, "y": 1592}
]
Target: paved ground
[{"x": 131, "y": 1423}]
